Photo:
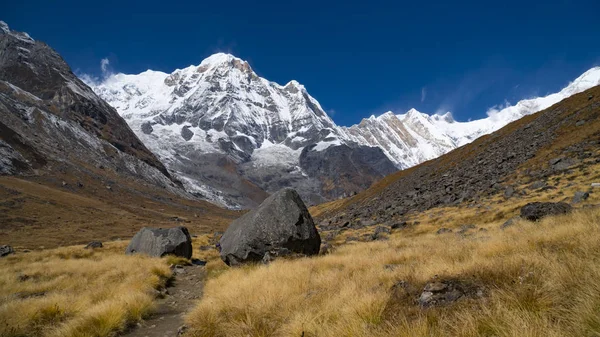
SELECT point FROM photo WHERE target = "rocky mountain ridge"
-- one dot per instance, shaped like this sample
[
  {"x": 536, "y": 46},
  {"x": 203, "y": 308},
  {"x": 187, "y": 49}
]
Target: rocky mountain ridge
[
  {"x": 233, "y": 137},
  {"x": 515, "y": 160},
  {"x": 257, "y": 131},
  {"x": 47, "y": 110}
]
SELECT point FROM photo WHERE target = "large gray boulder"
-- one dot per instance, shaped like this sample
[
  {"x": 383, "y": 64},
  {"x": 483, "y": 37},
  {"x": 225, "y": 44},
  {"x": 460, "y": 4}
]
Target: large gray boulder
[
  {"x": 536, "y": 210},
  {"x": 160, "y": 242},
  {"x": 280, "y": 223}
]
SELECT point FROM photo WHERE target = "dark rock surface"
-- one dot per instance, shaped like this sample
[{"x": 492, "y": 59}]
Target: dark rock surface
[
  {"x": 399, "y": 225},
  {"x": 346, "y": 169},
  {"x": 509, "y": 222},
  {"x": 94, "y": 245},
  {"x": 580, "y": 196},
  {"x": 282, "y": 221},
  {"x": 536, "y": 210},
  {"x": 6, "y": 250},
  {"x": 37, "y": 69},
  {"x": 438, "y": 293},
  {"x": 538, "y": 184},
  {"x": 509, "y": 192},
  {"x": 159, "y": 242}
]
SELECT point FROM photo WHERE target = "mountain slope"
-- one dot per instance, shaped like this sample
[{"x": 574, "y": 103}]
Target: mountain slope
[
  {"x": 58, "y": 138},
  {"x": 32, "y": 70},
  {"x": 218, "y": 125},
  {"x": 550, "y": 142},
  {"x": 414, "y": 137}
]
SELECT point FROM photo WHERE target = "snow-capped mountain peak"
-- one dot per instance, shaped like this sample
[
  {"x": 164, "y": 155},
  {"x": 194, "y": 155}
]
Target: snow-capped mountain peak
[
  {"x": 222, "y": 108},
  {"x": 587, "y": 80}
]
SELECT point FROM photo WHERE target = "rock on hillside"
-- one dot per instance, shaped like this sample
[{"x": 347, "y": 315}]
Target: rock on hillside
[
  {"x": 279, "y": 225},
  {"x": 536, "y": 210},
  {"x": 159, "y": 242}
]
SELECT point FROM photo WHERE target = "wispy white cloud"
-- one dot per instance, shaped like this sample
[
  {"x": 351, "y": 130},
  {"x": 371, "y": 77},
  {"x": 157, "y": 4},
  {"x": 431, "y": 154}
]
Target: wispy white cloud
[
  {"x": 92, "y": 80},
  {"x": 104, "y": 63},
  {"x": 493, "y": 111},
  {"x": 472, "y": 85},
  {"x": 88, "y": 79},
  {"x": 423, "y": 94}
]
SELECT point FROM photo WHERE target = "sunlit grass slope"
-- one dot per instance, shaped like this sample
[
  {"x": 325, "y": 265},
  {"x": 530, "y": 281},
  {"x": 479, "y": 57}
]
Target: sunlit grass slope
[
  {"x": 76, "y": 292},
  {"x": 538, "y": 279}
]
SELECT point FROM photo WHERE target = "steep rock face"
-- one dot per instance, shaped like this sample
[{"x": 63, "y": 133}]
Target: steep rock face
[
  {"x": 197, "y": 118},
  {"x": 50, "y": 121},
  {"x": 343, "y": 170}
]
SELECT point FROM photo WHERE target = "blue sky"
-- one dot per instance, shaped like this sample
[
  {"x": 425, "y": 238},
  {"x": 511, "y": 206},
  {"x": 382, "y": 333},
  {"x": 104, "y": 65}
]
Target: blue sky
[{"x": 356, "y": 58}]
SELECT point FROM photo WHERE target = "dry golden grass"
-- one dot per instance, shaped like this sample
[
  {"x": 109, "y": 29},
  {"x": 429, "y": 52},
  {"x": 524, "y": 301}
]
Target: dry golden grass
[
  {"x": 540, "y": 279},
  {"x": 71, "y": 291}
]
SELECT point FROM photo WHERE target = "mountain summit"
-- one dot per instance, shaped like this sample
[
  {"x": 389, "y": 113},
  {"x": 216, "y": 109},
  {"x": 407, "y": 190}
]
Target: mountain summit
[{"x": 233, "y": 137}]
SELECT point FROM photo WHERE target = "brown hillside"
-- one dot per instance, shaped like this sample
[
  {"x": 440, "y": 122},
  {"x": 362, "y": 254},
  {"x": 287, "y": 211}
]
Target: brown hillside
[{"x": 38, "y": 212}]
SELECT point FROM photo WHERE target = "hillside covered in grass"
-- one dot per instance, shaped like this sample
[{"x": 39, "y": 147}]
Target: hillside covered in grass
[{"x": 529, "y": 279}]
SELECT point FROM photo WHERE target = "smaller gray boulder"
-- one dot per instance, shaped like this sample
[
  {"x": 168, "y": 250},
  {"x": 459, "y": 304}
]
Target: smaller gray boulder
[
  {"x": 93, "y": 245},
  {"x": 579, "y": 197},
  {"x": 6, "y": 250},
  {"x": 538, "y": 184},
  {"x": 443, "y": 230},
  {"x": 509, "y": 222},
  {"x": 159, "y": 242},
  {"x": 509, "y": 192},
  {"x": 399, "y": 225},
  {"x": 534, "y": 211}
]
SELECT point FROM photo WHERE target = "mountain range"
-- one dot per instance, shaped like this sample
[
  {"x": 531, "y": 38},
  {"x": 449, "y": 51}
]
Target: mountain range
[{"x": 232, "y": 137}]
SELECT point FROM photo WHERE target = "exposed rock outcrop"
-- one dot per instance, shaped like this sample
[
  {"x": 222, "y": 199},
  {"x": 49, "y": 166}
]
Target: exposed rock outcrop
[
  {"x": 93, "y": 245},
  {"x": 536, "y": 210},
  {"x": 6, "y": 250}
]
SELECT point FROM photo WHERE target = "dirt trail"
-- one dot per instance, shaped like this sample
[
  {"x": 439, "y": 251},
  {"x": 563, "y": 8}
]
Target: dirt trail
[{"x": 183, "y": 293}]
